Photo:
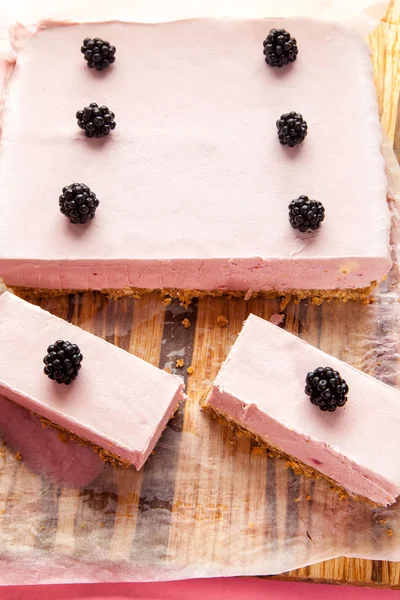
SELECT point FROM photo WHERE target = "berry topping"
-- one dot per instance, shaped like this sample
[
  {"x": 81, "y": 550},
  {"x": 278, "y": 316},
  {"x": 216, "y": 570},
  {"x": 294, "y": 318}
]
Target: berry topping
[
  {"x": 279, "y": 48},
  {"x": 96, "y": 120},
  {"x": 63, "y": 362},
  {"x": 78, "y": 203},
  {"x": 306, "y": 214},
  {"x": 292, "y": 129},
  {"x": 98, "y": 53},
  {"x": 326, "y": 388}
]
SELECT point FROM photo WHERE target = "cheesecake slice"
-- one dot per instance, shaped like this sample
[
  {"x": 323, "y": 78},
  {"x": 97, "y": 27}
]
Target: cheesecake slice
[
  {"x": 118, "y": 403},
  {"x": 261, "y": 389},
  {"x": 193, "y": 184}
]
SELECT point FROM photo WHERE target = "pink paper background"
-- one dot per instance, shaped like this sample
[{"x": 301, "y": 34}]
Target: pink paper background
[{"x": 211, "y": 589}]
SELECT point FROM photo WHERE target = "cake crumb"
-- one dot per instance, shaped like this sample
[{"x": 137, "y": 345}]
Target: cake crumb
[
  {"x": 256, "y": 450},
  {"x": 389, "y": 532},
  {"x": 308, "y": 497},
  {"x": 251, "y": 525},
  {"x": 3, "y": 511},
  {"x": 18, "y": 456},
  {"x": 222, "y": 321},
  {"x": 152, "y": 453},
  {"x": 63, "y": 436},
  {"x": 379, "y": 363},
  {"x": 83, "y": 525},
  {"x": 186, "y": 323},
  {"x": 297, "y": 499},
  {"x": 277, "y": 319},
  {"x": 42, "y": 528},
  {"x": 180, "y": 362},
  {"x": 101, "y": 524},
  {"x": 167, "y": 301},
  {"x": 167, "y": 370},
  {"x": 285, "y": 301},
  {"x": 190, "y": 370}
]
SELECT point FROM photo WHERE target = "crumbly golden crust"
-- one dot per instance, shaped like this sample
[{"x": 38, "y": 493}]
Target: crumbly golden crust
[
  {"x": 65, "y": 436},
  {"x": 273, "y": 452},
  {"x": 186, "y": 296},
  {"x": 105, "y": 455}
]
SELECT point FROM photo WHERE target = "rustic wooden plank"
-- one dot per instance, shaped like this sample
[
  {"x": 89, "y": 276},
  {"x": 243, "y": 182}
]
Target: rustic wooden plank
[
  {"x": 199, "y": 516},
  {"x": 385, "y": 46},
  {"x": 160, "y": 471},
  {"x": 396, "y": 142}
]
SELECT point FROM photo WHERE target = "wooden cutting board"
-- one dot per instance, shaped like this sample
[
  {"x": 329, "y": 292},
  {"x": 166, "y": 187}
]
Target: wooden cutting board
[{"x": 163, "y": 334}]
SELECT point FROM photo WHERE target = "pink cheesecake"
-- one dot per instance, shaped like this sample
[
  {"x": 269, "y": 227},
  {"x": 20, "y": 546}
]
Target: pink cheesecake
[
  {"x": 119, "y": 403},
  {"x": 261, "y": 389},
  {"x": 193, "y": 184}
]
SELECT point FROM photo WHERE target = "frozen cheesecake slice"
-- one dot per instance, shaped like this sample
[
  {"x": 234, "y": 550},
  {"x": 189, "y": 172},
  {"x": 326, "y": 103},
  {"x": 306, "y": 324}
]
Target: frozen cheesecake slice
[
  {"x": 261, "y": 388},
  {"x": 118, "y": 402}
]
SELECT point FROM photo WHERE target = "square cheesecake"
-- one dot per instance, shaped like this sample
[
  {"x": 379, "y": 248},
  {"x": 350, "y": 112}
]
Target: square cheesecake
[
  {"x": 193, "y": 183},
  {"x": 261, "y": 390},
  {"x": 118, "y": 403}
]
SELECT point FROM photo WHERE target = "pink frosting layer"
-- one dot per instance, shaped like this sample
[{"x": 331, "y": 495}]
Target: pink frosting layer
[
  {"x": 193, "y": 184},
  {"x": 261, "y": 387},
  {"x": 118, "y": 402}
]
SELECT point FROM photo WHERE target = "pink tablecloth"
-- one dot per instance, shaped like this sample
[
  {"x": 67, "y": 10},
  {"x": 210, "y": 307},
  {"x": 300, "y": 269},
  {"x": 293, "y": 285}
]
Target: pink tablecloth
[{"x": 211, "y": 589}]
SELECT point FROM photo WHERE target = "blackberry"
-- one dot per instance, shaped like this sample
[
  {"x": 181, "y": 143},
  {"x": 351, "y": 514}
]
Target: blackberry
[
  {"x": 279, "y": 48},
  {"x": 292, "y": 129},
  {"x": 306, "y": 214},
  {"x": 98, "y": 53},
  {"x": 63, "y": 361},
  {"x": 97, "y": 121},
  {"x": 326, "y": 389},
  {"x": 78, "y": 203}
]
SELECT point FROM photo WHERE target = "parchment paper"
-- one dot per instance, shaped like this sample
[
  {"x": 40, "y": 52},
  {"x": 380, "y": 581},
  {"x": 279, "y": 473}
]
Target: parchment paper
[
  {"x": 362, "y": 14},
  {"x": 67, "y": 517}
]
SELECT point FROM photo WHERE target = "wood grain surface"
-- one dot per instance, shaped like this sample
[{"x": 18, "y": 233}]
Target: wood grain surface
[{"x": 117, "y": 510}]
